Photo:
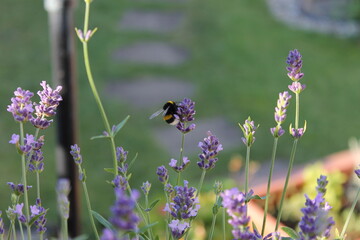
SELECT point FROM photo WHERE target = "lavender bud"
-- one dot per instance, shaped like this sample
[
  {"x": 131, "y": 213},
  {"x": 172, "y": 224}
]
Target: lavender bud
[
  {"x": 163, "y": 175},
  {"x": 146, "y": 187},
  {"x": 248, "y": 129},
  {"x": 75, "y": 153},
  {"x": 297, "y": 87},
  {"x": 173, "y": 164},
  {"x": 2, "y": 230},
  {"x": 18, "y": 189},
  {"x": 357, "y": 172},
  {"x": 294, "y": 65},
  {"x": 121, "y": 154},
  {"x": 21, "y": 105},
  {"x": 63, "y": 190}
]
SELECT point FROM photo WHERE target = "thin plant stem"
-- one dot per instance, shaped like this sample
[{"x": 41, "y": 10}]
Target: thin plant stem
[
  {"x": 94, "y": 90},
  {"x": 292, "y": 157},
  {"x": 224, "y": 223},
  {"x": 273, "y": 155},
  {"x": 88, "y": 205},
  {"x": 181, "y": 156},
  {"x": 247, "y": 169},
  {"x": 167, "y": 216},
  {"x": 297, "y": 110},
  {"x": 23, "y": 167},
  {"x": 38, "y": 185},
  {"x": 13, "y": 230},
  {"x": 213, "y": 222},
  {"x": 201, "y": 182},
  {"x": 342, "y": 235},
  {"x": 64, "y": 229},
  {"x": 148, "y": 215},
  {"x": 21, "y": 230},
  {"x": 41, "y": 236}
]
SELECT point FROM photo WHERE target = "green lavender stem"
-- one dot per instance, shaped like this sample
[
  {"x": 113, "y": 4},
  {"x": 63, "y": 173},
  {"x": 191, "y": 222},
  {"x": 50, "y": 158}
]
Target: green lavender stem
[
  {"x": 292, "y": 157},
  {"x": 23, "y": 168},
  {"x": 342, "y": 235},
  {"x": 94, "y": 90},
  {"x": 213, "y": 221},
  {"x": 201, "y": 182},
  {"x": 269, "y": 184},
  {"x": 88, "y": 205},
  {"x": 297, "y": 110},
  {"x": 21, "y": 230},
  {"x": 64, "y": 229},
  {"x": 13, "y": 230},
  {"x": 181, "y": 156},
  {"x": 223, "y": 223},
  {"x": 147, "y": 214},
  {"x": 247, "y": 169}
]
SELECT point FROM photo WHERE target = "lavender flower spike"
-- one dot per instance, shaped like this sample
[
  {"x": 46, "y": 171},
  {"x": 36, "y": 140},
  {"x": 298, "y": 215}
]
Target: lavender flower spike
[
  {"x": 235, "y": 203},
  {"x": 123, "y": 215},
  {"x": 186, "y": 112},
  {"x": 62, "y": 191},
  {"x": 297, "y": 133},
  {"x": 248, "y": 129},
  {"x": 21, "y": 106},
  {"x": 185, "y": 203},
  {"x": 75, "y": 153},
  {"x": 173, "y": 164},
  {"x": 210, "y": 147},
  {"x": 294, "y": 65},
  {"x": 280, "y": 113},
  {"x": 38, "y": 212},
  {"x": 2, "y": 230},
  {"x": 49, "y": 101},
  {"x": 163, "y": 175}
]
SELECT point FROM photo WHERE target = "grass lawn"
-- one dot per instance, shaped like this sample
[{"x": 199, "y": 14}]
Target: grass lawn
[{"x": 237, "y": 65}]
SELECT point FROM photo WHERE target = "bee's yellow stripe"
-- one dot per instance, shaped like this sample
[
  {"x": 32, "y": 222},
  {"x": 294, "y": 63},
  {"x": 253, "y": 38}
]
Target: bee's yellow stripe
[{"x": 167, "y": 117}]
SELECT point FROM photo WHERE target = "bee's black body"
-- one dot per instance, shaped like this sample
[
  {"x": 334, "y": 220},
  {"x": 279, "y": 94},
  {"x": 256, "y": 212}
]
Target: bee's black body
[{"x": 170, "y": 109}]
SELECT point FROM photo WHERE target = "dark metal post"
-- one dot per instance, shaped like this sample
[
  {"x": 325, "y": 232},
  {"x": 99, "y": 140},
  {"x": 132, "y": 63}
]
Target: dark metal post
[{"x": 60, "y": 13}]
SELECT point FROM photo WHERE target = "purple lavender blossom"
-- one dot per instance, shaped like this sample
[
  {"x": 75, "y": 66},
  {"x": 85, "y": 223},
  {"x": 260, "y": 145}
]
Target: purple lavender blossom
[
  {"x": 321, "y": 184},
  {"x": 315, "y": 222},
  {"x": 186, "y": 112},
  {"x": 38, "y": 212},
  {"x": 2, "y": 230},
  {"x": 210, "y": 147},
  {"x": 295, "y": 64},
  {"x": 173, "y": 164},
  {"x": 121, "y": 154},
  {"x": 168, "y": 188},
  {"x": 75, "y": 153},
  {"x": 36, "y": 163},
  {"x": 280, "y": 113},
  {"x": 120, "y": 182},
  {"x": 357, "y": 172},
  {"x": 18, "y": 189},
  {"x": 235, "y": 203},
  {"x": 108, "y": 234},
  {"x": 185, "y": 203},
  {"x": 248, "y": 129},
  {"x": 178, "y": 228},
  {"x": 49, "y": 101},
  {"x": 62, "y": 191},
  {"x": 21, "y": 106},
  {"x": 297, "y": 87},
  {"x": 163, "y": 175},
  {"x": 19, "y": 213},
  {"x": 297, "y": 133},
  {"x": 123, "y": 215},
  {"x": 146, "y": 187}
]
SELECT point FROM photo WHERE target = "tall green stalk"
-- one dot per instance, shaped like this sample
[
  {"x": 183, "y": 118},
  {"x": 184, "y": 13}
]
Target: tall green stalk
[
  {"x": 342, "y": 235},
  {"x": 269, "y": 184},
  {"x": 292, "y": 157},
  {"x": 247, "y": 161},
  {"x": 23, "y": 168},
  {"x": 93, "y": 87},
  {"x": 181, "y": 157}
]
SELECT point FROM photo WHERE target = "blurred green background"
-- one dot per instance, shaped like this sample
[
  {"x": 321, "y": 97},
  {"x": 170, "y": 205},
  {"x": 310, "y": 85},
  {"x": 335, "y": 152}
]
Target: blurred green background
[{"x": 238, "y": 52}]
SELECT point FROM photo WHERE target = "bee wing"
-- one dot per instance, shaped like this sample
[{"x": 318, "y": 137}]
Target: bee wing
[{"x": 157, "y": 113}]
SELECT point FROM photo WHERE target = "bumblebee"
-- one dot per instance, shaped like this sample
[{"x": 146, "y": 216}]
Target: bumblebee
[{"x": 168, "y": 111}]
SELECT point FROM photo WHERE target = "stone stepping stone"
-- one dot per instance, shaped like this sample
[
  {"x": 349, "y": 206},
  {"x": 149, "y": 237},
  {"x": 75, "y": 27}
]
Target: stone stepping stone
[
  {"x": 149, "y": 92},
  {"x": 151, "y": 21},
  {"x": 169, "y": 137},
  {"x": 152, "y": 53}
]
